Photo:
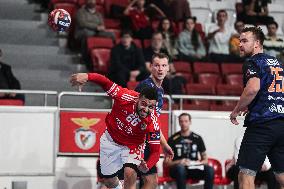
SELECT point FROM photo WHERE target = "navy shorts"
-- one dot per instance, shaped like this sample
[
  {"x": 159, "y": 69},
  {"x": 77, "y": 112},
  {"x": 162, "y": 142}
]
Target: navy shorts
[{"x": 260, "y": 140}]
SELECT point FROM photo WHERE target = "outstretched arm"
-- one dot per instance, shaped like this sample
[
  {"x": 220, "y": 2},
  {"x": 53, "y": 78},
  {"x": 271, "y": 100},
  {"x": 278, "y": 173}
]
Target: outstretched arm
[{"x": 81, "y": 78}]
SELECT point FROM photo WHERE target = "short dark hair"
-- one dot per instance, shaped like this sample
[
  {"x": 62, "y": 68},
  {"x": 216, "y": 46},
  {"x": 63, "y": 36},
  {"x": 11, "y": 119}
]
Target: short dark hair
[
  {"x": 185, "y": 114},
  {"x": 126, "y": 32},
  {"x": 257, "y": 32},
  {"x": 222, "y": 10},
  {"x": 272, "y": 23},
  {"x": 157, "y": 33},
  {"x": 149, "y": 93},
  {"x": 160, "y": 56}
]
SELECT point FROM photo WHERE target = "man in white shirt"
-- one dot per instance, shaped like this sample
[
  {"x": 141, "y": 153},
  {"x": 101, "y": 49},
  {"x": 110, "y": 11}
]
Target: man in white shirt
[
  {"x": 266, "y": 174},
  {"x": 218, "y": 37}
]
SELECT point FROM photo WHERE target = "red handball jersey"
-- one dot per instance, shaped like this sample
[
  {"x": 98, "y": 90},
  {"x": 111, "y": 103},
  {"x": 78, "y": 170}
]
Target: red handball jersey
[{"x": 123, "y": 123}]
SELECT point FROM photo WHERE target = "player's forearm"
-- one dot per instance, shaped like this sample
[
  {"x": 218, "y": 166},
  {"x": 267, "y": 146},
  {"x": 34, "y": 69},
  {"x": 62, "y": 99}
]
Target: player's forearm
[
  {"x": 154, "y": 155},
  {"x": 246, "y": 98},
  {"x": 101, "y": 80}
]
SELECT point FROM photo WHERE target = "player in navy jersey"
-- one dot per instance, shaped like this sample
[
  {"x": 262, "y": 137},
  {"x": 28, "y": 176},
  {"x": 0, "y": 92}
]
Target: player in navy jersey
[
  {"x": 159, "y": 68},
  {"x": 262, "y": 101}
]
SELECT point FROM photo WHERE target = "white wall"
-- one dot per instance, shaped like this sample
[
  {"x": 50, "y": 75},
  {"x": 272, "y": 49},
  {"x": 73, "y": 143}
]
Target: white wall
[{"x": 80, "y": 172}]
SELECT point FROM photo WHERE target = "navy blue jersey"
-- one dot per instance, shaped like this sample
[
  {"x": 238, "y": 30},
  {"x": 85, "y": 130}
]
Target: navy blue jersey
[
  {"x": 150, "y": 83},
  {"x": 269, "y": 101}
]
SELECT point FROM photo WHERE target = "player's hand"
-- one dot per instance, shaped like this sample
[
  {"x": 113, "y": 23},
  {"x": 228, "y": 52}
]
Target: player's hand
[
  {"x": 185, "y": 162},
  {"x": 79, "y": 79},
  {"x": 143, "y": 166},
  {"x": 233, "y": 117},
  {"x": 169, "y": 153}
]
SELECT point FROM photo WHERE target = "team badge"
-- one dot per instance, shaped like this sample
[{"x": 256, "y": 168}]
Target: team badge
[
  {"x": 85, "y": 137},
  {"x": 143, "y": 126}
]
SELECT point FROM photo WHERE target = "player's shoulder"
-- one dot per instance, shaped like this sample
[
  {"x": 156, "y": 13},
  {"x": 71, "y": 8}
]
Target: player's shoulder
[
  {"x": 145, "y": 83},
  {"x": 195, "y": 135},
  {"x": 175, "y": 136}
]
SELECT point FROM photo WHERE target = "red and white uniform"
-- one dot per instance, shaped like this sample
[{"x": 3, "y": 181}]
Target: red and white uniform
[{"x": 124, "y": 126}]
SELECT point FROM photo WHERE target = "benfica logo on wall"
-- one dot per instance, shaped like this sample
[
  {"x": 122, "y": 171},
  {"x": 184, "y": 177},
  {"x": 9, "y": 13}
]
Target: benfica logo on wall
[{"x": 85, "y": 137}]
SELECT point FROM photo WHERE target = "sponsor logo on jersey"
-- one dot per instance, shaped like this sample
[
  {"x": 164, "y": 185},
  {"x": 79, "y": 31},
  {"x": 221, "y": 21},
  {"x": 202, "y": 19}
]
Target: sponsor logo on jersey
[
  {"x": 275, "y": 98},
  {"x": 85, "y": 137},
  {"x": 277, "y": 108},
  {"x": 154, "y": 135},
  {"x": 272, "y": 62}
]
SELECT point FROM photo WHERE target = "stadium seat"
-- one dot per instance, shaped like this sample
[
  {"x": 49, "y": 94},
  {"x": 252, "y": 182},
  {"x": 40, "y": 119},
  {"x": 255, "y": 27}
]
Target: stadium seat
[
  {"x": 187, "y": 76},
  {"x": 138, "y": 43},
  {"x": 199, "y": 89},
  {"x": 217, "y": 166},
  {"x": 111, "y": 23},
  {"x": 99, "y": 42},
  {"x": 229, "y": 90},
  {"x": 101, "y": 9},
  {"x": 11, "y": 102},
  {"x": 205, "y": 67},
  {"x": 182, "y": 67},
  {"x": 234, "y": 79},
  {"x": 230, "y": 68},
  {"x": 132, "y": 84},
  {"x": 100, "y": 60},
  {"x": 209, "y": 78},
  {"x": 115, "y": 31},
  {"x": 146, "y": 43}
]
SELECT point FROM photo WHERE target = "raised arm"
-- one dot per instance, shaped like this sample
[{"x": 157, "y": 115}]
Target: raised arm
[{"x": 81, "y": 78}]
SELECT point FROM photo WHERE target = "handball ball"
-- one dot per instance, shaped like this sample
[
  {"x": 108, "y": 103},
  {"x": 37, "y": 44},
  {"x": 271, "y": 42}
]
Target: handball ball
[{"x": 59, "y": 20}]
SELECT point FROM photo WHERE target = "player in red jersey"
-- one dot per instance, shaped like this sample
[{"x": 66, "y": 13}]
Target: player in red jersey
[{"x": 133, "y": 115}]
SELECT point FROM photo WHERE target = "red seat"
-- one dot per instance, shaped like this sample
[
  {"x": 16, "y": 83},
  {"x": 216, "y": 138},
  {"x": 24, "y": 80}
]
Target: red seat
[
  {"x": 217, "y": 166},
  {"x": 146, "y": 43},
  {"x": 99, "y": 42},
  {"x": 132, "y": 84},
  {"x": 229, "y": 68},
  {"x": 100, "y": 58},
  {"x": 182, "y": 66},
  {"x": 229, "y": 90},
  {"x": 234, "y": 79},
  {"x": 199, "y": 89},
  {"x": 100, "y": 9},
  {"x": 53, "y": 2},
  {"x": 209, "y": 78},
  {"x": 188, "y": 77},
  {"x": 11, "y": 102},
  {"x": 205, "y": 67},
  {"x": 138, "y": 43},
  {"x": 115, "y": 31},
  {"x": 112, "y": 23}
]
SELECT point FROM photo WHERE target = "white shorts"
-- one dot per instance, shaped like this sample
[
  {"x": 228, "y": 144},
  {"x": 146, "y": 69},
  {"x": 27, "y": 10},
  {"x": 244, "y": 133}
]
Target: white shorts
[{"x": 113, "y": 156}]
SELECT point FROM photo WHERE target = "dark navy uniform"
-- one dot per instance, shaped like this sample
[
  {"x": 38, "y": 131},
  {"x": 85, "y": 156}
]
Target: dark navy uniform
[
  {"x": 150, "y": 83},
  {"x": 265, "y": 120}
]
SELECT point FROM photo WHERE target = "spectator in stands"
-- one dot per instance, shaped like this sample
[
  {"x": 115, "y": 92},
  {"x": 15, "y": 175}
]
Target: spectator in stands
[
  {"x": 175, "y": 10},
  {"x": 140, "y": 21},
  {"x": 8, "y": 82},
  {"x": 235, "y": 41},
  {"x": 89, "y": 22},
  {"x": 169, "y": 37},
  {"x": 266, "y": 174},
  {"x": 190, "y": 158},
  {"x": 273, "y": 45},
  {"x": 218, "y": 37},
  {"x": 173, "y": 83},
  {"x": 255, "y": 12},
  {"x": 189, "y": 43},
  {"x": 127, "y": 61}
]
